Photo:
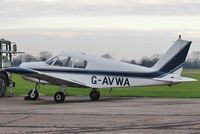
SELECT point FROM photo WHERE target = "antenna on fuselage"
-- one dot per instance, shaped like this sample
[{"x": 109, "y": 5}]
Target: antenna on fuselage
[
  {"x": 179, "y": 37},
  {"x": 62, "y": 52},
  {"x": 114, "y": 52}
]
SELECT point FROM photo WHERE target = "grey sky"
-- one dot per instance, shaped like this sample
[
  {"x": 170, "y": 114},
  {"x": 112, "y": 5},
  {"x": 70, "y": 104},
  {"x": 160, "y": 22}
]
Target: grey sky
[
  {"x": 133, "y": 28},
  {"x": 40, "y": 8}
]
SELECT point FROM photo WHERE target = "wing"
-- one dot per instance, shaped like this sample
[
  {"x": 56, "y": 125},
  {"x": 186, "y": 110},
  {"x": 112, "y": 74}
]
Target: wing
[{"x": 41, "y": 77}]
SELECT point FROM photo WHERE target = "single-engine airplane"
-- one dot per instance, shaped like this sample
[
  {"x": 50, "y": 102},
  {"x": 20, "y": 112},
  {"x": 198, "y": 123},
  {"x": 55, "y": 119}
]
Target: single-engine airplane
[{"x": 86, "y": 71}]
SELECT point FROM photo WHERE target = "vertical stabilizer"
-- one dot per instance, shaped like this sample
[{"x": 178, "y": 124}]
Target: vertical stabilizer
[{"x": 172, "y": 61}]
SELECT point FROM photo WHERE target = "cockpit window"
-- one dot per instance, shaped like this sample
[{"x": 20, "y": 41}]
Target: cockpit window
[
  {"x": 79, "y": 63},
  {"x": 51, "y": 60},
  {"x": 58, "y": 63},
  {"x": 67, "y": 62}
]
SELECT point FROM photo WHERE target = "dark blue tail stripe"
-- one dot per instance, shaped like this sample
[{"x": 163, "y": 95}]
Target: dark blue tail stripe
[{"x": 177, "y": 60}]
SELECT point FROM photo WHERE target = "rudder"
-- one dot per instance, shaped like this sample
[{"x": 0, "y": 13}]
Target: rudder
[{"x": 172, "y": 61}]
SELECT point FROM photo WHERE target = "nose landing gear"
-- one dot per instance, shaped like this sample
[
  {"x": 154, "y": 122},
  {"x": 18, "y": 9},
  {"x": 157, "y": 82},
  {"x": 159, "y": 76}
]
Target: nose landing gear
[{"x": 33, "y": 94}]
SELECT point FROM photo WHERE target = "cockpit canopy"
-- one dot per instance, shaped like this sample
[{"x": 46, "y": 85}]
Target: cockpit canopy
[{"x": 64, "y": 61}]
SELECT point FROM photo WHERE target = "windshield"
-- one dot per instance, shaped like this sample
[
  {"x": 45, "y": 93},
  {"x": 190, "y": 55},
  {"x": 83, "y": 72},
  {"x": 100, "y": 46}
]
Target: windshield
[{"x": 51, "y": 60}]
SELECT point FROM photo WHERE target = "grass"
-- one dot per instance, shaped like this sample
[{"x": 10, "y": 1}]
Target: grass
[{"x": 184, "y": 90}]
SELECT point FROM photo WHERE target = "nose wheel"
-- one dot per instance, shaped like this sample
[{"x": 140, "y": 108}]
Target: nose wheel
[
  {"x": 32, "y": 95},
  {"x": 94, "y": 95}
]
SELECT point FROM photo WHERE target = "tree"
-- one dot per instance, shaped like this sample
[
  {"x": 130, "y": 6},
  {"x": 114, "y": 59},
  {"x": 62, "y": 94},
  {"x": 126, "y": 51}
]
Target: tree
[
  {"x": 149, "y": 62},
  {"x": 193, "y": 61},
  {"x": 133, "y": 61},
  {"x": 17, "y": 61},
  {"x": 146, "y": 61},
  {"x": 195, "y": 58},
  {"x": 23, "y": 58},
  {"x": 44, "y": 55},
  {"x": 155, "y": 58},
  {"x": 28, "y": 58},
  {"x": 107, "y": 56}
]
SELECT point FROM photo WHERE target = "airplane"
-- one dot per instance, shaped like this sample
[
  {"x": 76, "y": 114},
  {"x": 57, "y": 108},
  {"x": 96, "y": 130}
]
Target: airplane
[{"x": 86, "y": 71}]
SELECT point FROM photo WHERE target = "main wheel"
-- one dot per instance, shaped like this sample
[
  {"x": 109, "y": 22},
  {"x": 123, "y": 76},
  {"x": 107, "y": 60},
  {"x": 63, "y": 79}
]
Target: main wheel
[
  {"x": 3, "y": 83},
  {"x": 59, "y": 97},
  {"x": 94, "y": 95},
  {"x": 33, "y": 95}
]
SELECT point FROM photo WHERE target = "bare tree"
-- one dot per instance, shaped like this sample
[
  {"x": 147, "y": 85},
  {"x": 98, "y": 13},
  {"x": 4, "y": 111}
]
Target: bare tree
[
  {"x": 193, "y": 61},
  {"x": 23, "y": 58},
  {"x": 146, "y": 61},
  {"x": 131, "y": 61},
  {"x": 44, "y": 55},
  {"x": 155, "y": 58},
  {"x": 107, "y": 56},
  {"x": 17, "y": 60},
  {"x": 28, "y": 58}
]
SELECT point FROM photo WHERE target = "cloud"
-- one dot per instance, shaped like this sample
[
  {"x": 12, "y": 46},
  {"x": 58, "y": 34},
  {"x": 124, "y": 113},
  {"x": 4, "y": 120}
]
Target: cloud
[
  {"x": 143, "y": 23},
  {"x": 44, "y": 8},
  {"x": 66, "y": 34}
]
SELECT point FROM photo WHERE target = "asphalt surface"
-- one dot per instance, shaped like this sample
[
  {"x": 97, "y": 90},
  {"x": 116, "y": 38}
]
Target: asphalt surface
[{"x": 109, "y": 115}]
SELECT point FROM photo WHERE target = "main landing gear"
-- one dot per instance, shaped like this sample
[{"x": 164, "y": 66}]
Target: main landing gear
[
  {"x": 59, "y": 96},
  {"x": 94, "y": 95}
]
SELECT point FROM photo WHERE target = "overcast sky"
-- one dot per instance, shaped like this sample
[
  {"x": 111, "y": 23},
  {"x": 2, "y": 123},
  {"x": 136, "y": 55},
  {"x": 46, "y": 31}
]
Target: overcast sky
[{"x": 124, "y": 28}]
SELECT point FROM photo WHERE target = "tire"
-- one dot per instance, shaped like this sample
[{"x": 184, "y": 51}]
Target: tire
[
  {"x": 94, "y": 95},
  {"x": 33, "y": 96},
  {"x": 59, "y": 97},
  {"x": 3, "y": 84},
  {"x": 26, "y": 98}
]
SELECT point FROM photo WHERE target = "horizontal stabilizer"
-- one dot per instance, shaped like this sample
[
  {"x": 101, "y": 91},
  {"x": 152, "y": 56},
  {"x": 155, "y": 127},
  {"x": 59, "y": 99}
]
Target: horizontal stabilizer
[{"x": 175, "y": 79}]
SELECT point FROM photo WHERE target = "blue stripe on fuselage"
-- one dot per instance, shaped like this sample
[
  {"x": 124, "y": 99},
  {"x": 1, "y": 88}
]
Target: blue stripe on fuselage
[
  {"x": 101, "y": 72},
  {"x": 20, "y": 70}
]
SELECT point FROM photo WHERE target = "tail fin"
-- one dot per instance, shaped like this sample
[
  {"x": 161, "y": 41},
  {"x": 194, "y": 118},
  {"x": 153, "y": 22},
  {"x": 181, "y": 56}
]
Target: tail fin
[{"x": 172, "y": 61}]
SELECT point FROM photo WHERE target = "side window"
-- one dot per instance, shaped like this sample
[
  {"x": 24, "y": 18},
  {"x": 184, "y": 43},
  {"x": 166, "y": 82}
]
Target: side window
[
  {"x": 79, "y": 63},
  {"x": 68, "y": 62},
  {"x": 58, "y": 63}
]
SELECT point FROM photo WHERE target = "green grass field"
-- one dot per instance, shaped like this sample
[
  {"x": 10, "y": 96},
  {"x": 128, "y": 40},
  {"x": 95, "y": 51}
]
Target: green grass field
[{"x": 184, "y": 90}]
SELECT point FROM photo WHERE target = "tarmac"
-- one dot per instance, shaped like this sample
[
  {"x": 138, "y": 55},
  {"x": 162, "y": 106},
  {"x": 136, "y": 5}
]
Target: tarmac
[{"x": 112, "y": 115}]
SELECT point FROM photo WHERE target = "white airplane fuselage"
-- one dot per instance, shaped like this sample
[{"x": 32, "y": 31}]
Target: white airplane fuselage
[{"x": 115, "y": 74}]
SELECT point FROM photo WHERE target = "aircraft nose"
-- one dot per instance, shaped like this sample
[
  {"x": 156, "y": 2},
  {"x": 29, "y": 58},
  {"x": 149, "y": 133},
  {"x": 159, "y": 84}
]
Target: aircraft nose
[
  {"x": 32, "y": 64},
  {"x": 21, "y": 65},
  {"x": 26, "y": 65}
]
